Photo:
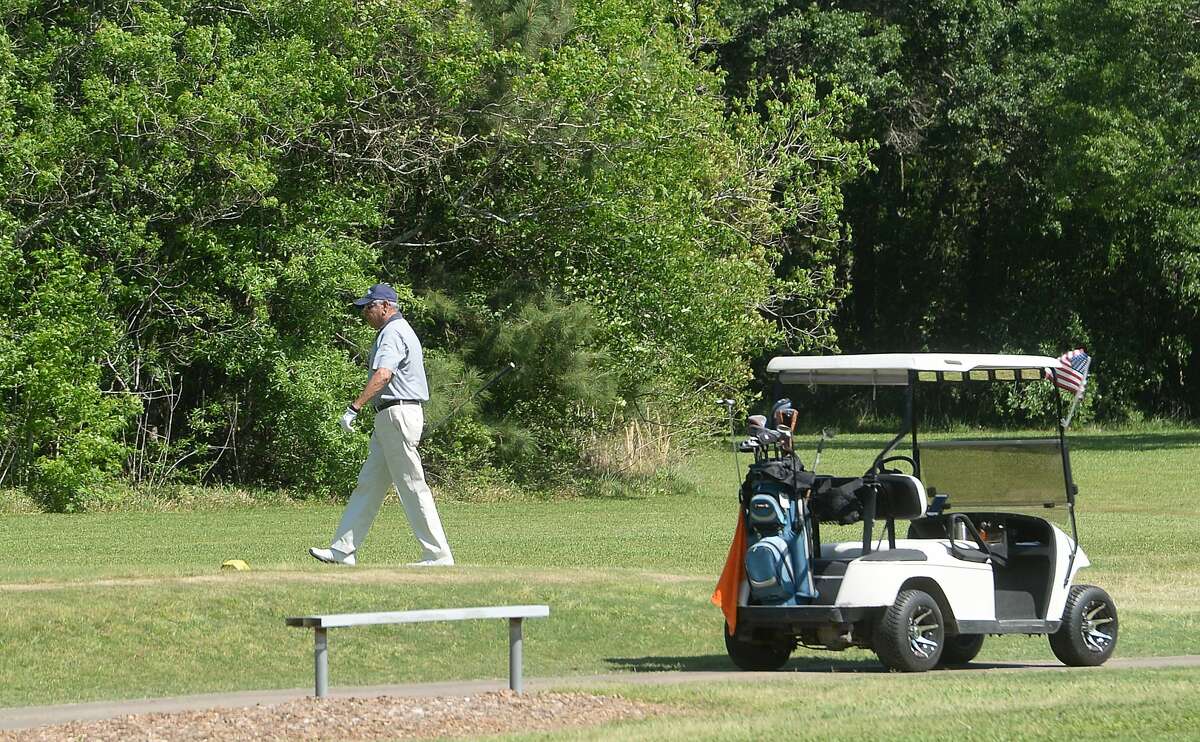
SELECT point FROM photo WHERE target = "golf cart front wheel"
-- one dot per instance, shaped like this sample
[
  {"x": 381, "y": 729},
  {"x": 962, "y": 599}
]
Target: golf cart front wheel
[
  {"x": 1088, "y": 634},
  {"x": 910, "y": 635},
  {"x": 961, "y": 649},
  {"x": 754, "y": 656}
]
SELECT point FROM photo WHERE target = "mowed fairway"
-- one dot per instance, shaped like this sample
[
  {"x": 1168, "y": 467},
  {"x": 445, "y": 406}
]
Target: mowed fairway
[{"x": 128, "y": 605}]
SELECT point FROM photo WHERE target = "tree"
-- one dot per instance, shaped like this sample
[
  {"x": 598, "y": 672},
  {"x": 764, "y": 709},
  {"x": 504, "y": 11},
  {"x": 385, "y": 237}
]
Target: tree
[
  {"x": 194, "y": 191},
  {"x": 1034, "y": 180}
]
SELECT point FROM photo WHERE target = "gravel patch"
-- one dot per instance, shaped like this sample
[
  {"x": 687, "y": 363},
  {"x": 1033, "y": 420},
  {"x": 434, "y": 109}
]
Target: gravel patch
[{"x": 347, "y": 719}]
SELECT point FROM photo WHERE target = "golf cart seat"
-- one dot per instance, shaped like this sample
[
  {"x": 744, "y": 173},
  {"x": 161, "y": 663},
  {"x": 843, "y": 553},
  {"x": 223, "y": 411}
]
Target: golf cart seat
[
  {"x": 842, "y": 500},
  {"x": 900, "y": 497}
]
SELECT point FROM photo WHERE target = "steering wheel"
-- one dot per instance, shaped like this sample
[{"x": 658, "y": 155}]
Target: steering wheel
[
  {"x": 906, "y": 459},
  {"x": 969, "y": 527}
]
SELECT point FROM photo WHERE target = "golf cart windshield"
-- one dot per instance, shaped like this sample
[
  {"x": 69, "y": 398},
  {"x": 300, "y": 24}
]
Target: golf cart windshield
[{"x": 1013, "y": 475}]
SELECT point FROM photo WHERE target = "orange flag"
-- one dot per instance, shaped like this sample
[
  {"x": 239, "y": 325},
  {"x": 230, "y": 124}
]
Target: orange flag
[{"x": 725, "y": 596}]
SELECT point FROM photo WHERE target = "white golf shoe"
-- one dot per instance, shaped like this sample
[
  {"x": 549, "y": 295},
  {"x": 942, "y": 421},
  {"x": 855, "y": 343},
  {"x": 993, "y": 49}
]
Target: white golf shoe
[
  {"x": 445, "y": 562},
  {"x": 332, "y": 556}
]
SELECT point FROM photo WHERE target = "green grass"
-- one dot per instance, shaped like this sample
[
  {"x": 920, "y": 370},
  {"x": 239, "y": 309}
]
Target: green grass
[
  {"x": 981, "y": 705},
  {"x": 133, "y": 604}
]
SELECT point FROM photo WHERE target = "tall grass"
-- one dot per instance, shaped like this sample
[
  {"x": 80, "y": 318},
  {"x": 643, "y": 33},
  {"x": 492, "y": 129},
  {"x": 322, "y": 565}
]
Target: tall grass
[{"x": 639, "y": 447}]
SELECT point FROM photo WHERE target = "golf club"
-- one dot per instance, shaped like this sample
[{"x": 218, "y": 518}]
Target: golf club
[
  {"x": 785, "y": 416},
  {"x": 827, "y": 434},
  {"x": 728, "y": 404},
  {"x": 499, "y": 374}
]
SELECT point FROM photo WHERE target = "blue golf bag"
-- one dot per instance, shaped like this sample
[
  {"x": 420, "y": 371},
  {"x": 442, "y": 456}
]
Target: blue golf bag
[{"x": 777, "y": 560}]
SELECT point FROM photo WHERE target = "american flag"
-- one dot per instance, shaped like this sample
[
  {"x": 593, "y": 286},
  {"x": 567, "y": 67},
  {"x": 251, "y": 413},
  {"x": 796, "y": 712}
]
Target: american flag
[{"x": 1072, "y": 371}]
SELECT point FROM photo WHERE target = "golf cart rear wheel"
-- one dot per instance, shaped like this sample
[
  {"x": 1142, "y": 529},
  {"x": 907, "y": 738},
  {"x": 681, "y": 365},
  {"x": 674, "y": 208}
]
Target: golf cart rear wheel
[
  {"x": 754, "y": 656},
  {"x": 1088, "y": 634},
  {"x": 909, "y": 637},
  {"x": 961, "y": 649}
]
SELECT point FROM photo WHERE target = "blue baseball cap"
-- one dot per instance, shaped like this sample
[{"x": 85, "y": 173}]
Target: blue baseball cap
[{"x": 378, "y": 292}]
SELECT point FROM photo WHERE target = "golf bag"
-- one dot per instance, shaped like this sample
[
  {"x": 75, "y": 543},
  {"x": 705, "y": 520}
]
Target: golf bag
[{"x": 777, "y": 560}]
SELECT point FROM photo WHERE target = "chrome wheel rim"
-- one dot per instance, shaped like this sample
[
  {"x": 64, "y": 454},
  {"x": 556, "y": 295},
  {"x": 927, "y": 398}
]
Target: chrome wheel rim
[
  {"x": 922, "y": 633},
  {"x": 1096, "y": 627}
]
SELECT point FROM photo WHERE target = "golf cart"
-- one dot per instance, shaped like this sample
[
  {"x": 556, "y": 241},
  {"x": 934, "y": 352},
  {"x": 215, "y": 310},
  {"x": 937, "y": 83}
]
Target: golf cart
[{"x": 980, "y": 554}]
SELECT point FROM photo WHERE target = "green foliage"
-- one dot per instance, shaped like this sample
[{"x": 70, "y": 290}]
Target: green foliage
[
  {"x": 561, "y": 378},
  {"x": 631, "y": 200},
  {"x": 1035, "y": 183},
  {"x": 1124, "y": 172},
  {"x": 525, "y": 427},
  {"x": 190, "y": 193},
  {"x": 52, "y": 370}
]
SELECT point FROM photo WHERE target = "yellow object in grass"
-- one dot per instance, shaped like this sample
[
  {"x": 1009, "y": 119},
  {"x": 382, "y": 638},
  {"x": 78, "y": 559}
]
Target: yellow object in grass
[{"x": 236, "y": 564}]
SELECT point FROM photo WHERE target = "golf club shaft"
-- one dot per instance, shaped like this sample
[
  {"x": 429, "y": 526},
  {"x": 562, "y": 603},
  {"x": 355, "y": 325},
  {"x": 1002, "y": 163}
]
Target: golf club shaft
[
  {"x": 508, "y": 367},
  {"x": 728, "y": 405}
]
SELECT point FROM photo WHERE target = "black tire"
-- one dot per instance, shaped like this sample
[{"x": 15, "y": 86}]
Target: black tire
[
  {"x": 1088, "y": 634},
  {"x": 960, "y": 650},
  {"x": 754, "y": 656},
  {"x": 909, "y": 637}
]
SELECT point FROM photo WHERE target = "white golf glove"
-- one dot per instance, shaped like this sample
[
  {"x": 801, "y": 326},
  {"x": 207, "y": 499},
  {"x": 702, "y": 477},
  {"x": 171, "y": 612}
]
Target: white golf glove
[{"x": 347, "y": 419}]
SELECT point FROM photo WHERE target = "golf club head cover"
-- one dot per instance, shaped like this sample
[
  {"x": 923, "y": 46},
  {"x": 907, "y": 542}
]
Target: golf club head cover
[{"x": 755, "y": 422}]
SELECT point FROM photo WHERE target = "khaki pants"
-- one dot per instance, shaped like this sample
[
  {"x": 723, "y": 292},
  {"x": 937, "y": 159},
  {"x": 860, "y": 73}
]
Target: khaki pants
[{"x": 393, "y": 459}]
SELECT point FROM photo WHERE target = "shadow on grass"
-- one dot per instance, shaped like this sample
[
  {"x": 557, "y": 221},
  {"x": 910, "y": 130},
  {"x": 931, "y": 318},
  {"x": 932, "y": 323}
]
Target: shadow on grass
[
  {"x": 1136, "y": 441},
  {"x": 721, "y": 662},
  {"x": 802, "y": 664}
]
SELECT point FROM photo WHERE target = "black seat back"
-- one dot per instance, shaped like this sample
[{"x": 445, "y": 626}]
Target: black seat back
[{"x": 900, "y": 497}]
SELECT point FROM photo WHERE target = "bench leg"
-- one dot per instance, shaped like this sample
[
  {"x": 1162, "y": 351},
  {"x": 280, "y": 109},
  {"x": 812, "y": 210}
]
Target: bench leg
[
  {"x": 514, "y": 655},
  {"x": 321, "y": 661}
]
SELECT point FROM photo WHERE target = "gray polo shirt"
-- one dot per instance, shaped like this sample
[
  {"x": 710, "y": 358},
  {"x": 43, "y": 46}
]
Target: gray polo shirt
[{"x": 397, "y": 348}]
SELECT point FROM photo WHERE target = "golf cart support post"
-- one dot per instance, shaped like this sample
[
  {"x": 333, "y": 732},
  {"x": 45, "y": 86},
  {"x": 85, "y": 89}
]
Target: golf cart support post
[{"x": 321, "y": 625}]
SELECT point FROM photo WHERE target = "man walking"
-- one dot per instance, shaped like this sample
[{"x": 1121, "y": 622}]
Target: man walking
[{"x": 397, "y": 388}]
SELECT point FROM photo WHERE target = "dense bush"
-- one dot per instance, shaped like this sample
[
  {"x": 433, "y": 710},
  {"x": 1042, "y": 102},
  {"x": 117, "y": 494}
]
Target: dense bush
[
  {"x": 633, "y": 200},
  {"x": 1035, "y": 182},
  {"x": 190, "y": 193}
]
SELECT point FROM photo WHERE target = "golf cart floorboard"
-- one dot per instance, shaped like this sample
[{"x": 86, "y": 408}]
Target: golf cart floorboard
[
  {"x": 819, "y": 615},
  {"x": 1009, "y": 626}
]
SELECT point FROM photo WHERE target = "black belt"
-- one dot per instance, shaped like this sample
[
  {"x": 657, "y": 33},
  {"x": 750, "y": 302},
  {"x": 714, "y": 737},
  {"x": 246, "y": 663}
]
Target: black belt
[{"x": 393, "y": 402}]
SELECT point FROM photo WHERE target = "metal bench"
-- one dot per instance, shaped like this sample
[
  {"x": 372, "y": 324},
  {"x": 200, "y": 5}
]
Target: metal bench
[{"x": 514, "y": 613}]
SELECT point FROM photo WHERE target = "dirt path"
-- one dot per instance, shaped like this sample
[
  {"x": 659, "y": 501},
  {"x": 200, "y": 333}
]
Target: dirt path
[
  {"x": 221, "y": 713},
  {"x": 380, "y": 718}
]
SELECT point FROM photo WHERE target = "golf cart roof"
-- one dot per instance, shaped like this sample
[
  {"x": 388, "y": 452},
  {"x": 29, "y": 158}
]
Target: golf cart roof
[{"x": 892, "y": 369}]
